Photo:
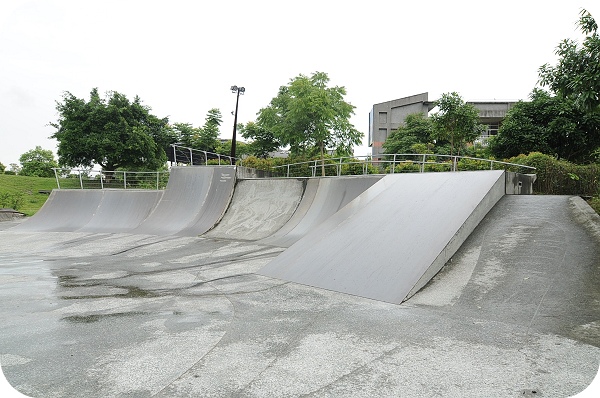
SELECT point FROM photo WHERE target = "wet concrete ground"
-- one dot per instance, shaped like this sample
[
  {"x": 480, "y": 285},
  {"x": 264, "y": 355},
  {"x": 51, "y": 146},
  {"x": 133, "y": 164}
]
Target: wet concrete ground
[{"x": 516, "y": 313}]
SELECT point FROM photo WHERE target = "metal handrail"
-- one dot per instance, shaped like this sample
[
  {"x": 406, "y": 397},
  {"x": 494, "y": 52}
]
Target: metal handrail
[
  {"x": 118, "y": 179},
  {"x": 396, "y": 159},
  {"x": 183, "y": 158}
]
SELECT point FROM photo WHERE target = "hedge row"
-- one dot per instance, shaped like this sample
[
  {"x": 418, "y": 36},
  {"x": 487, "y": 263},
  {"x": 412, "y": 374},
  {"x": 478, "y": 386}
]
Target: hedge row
[{"x": 559, "y": 177}]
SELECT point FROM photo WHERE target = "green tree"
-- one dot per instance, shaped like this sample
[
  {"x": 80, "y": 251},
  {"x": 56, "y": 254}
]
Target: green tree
[
  {"x": 311, "y": 117},
  {"x": 224, "y": 148},
  {"x": 577, "y": 73},
  {"x": 112, "y": 132},
  {"x": 2, "y": 168},
  {"x": 204, "y": 138},
  {"x": 38, "y": 162},
  {"x": 549, "y": 124},
  {"x": 186, "y": 134},
  {"x": 14, "y": 169},
  {"x": 413, "y": 136},
  {"x": 262, "y": 141},
  {"x": 209, "y": 133},
  {"x": 456, "y": 122}
]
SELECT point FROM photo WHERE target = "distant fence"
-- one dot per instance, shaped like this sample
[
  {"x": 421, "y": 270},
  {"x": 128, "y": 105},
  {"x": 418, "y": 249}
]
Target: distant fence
[
  {"x": 86, "y": 179},
  {"x": 394, "y": 163}
]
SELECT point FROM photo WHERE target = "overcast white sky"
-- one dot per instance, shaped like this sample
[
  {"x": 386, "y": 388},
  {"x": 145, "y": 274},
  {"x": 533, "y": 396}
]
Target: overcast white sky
[{"x": 181, "y": 57}]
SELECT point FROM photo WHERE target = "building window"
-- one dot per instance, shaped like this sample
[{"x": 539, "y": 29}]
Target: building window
[
  {"x": 382, "y": 117},
  {"x": 492, "y": 129},
  {"x": 383, "y": 133}
]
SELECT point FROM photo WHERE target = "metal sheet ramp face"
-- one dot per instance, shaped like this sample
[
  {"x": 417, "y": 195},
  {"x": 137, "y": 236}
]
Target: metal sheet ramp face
[
  {"x": 64, "y": 211},
  {"x": 194, "y": 200},
  {"x": 122, "y": 210},
  {"x": 389, "y": 241},
  {"x": 322, "y": 198}
]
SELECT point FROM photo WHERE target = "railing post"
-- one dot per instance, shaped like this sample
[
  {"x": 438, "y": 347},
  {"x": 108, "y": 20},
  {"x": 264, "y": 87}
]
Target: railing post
[
  {"x": 340, "y": 168},
  {"x": 80, "y": 180},
  {"x": 101, "y": 180},
  {"x": 174, "y": 154},
  {"x": 56, "y": 175},
  {"x": 288, "y": 170},
  {"x": 125, "y": 180},
  {"x": 394, "y": 165},
  {"x": 191, "y": 157},
  {"x": 423, "y": 163},
  {"x": 157, "y": 178}
]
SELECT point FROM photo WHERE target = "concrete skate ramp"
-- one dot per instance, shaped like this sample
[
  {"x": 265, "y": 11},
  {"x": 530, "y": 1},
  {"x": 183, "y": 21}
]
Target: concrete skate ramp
[
  {"x": 64, "y": 210},
  {"x": 194, "y": 201},
  {"x": 259, "y": 208},
  {"x": 322, "y": 198},
  {"x": 392, "y": 239},
  {"x": 122, "y": 210}
]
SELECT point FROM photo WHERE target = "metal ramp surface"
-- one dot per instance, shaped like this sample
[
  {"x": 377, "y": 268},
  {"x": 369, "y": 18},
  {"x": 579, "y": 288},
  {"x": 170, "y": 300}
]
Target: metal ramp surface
[
  {"x": 194, "y": 201},
  {"x": 322, "y": 198},
  {"x": 64, "y": 210},
  {"x": 394, "y": 237}
]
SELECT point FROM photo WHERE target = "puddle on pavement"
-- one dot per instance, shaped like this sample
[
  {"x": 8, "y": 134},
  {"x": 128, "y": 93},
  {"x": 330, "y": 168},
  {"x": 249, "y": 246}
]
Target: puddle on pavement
[{"x": 97, "y": 317}]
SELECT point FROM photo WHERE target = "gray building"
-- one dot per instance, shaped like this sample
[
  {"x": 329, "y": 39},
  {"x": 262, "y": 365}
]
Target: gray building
[{"x": 387, "y": 116}]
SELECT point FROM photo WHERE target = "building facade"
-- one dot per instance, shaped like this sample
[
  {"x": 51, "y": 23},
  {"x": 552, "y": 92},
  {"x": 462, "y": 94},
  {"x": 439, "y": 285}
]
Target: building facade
[{"x": 387, "y": 116}]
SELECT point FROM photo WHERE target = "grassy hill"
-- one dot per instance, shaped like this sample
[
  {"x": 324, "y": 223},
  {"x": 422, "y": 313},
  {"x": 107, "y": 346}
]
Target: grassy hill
[{"x": 23, "y": 193}]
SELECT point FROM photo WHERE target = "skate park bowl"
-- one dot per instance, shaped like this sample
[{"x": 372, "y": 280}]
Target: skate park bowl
[{"x": 449, "y": 283}]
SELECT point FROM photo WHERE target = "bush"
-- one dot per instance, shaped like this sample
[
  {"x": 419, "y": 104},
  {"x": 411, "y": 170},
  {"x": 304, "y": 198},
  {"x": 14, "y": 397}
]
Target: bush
[
  {"x": 595, "y": 204},
  {"x": 13, "y": 200},
  {"x": 405, "y": 167},
  {"x": 472, "y": 164},
  {"x": 559, "y": 177},
  {"x": 357, "y": 167}
]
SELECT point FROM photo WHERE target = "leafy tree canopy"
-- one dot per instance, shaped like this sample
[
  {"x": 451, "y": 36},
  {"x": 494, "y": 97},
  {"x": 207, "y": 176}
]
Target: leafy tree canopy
[
  {"x": 112, "y": 132},
  {"x": 414, "y": 136},
  {"x": 309, "y": 116},
  {"x": 224, "y": 148},
  {"x": 262, "y": 142},
  {"x": 577, "y": 73},
  {"x": 2, "y": 167},
  {"x": 549, "y": 124},
  {"x": 37, "y": 162},
  {"x": 456, "y": 122},
  {"x": 204, "y": 138}
]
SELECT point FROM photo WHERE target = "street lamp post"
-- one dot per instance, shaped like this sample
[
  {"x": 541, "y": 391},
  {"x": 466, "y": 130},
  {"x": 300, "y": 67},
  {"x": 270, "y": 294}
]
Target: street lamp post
[{"x": 238, "y": 91}]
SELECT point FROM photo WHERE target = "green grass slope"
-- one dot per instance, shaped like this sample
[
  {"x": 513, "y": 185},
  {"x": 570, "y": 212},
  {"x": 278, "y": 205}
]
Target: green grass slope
[{"x": 23, "y": 193}]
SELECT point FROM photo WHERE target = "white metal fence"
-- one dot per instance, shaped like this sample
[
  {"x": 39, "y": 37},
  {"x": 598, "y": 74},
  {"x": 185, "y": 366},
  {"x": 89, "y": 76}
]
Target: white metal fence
[
  {"x": 89, "y": 179},
  {"x": 181, "y": 155},
  {"x": 395, "y": 163}
]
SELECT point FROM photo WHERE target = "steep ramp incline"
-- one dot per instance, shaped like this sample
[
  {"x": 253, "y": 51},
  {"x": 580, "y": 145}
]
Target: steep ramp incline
[
  {"x": 392, "y": 239},
  {"x": 259, "y": 208},
  {"x": 122, "y": 210},
  {"x": 322, "y": 198},
  {"x": 64, "y": 211},
  {"x": 194, "y": 201}
]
